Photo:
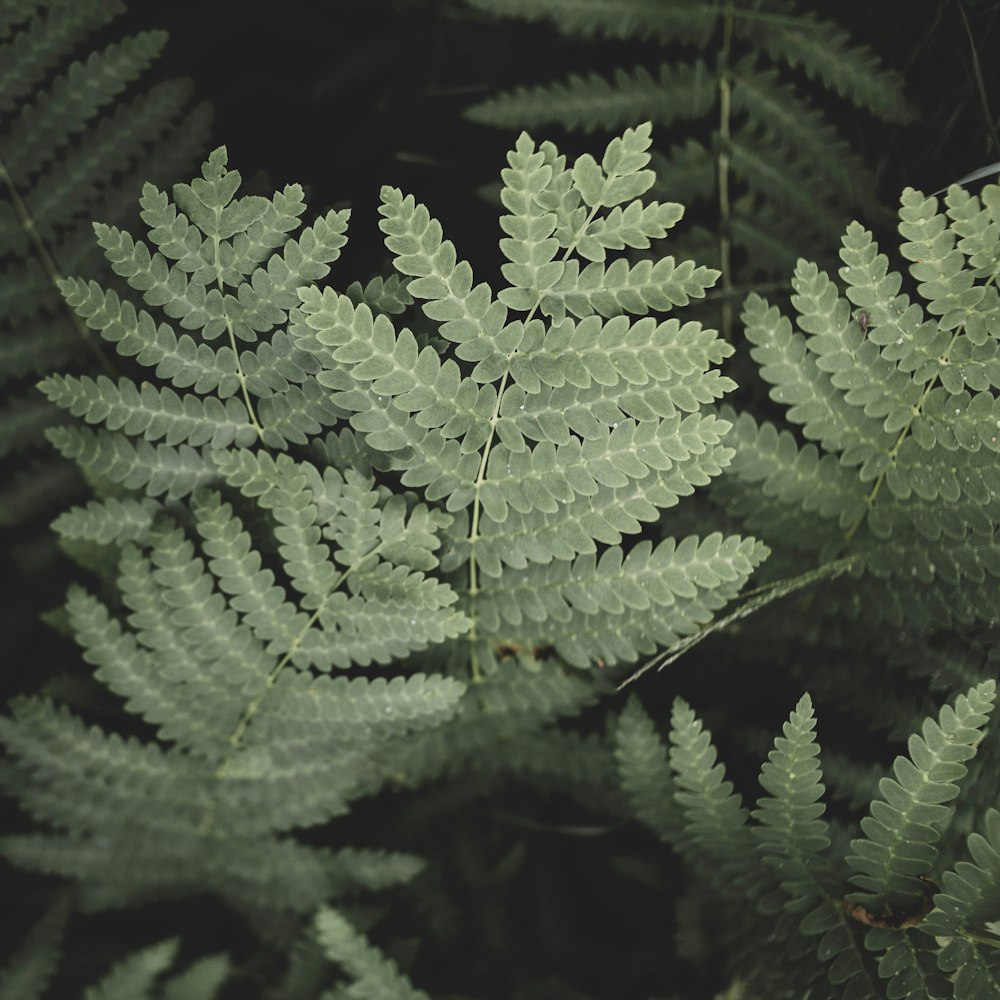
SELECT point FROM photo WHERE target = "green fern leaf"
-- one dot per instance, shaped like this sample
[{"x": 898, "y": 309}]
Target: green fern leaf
[
  {"x": 791, "y": 833},
  {"x": 75, "y": 98},
  {"x": 823, "y": 50},
  {"x": 35, "y": 50},
  {"x": 134, "y": 977},
  {"x": 908, "y": 401},
  {"x": 774, "y": 110},
  {"x": 715, "y": 823},
  {"x": 153, "y": 413},
  {"x": 604, "y": 609},
  {"x": 592, "y": 102},
  {"x": 903, "y": 827},
  {"x": 644, "y": 771},
  {"x": 975, "y": 971},
  {"x": 375, "y": 976},
  {"x": 970, "y": 891},
  {"x": 136, "y": 334},
  {"x": 201, "y": 980},
  {"x": 31, "y": 968},
  {"x": 175, "y": 472}
]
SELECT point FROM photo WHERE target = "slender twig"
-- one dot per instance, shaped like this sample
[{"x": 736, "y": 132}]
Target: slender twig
[{"x": 759, "y": 598}]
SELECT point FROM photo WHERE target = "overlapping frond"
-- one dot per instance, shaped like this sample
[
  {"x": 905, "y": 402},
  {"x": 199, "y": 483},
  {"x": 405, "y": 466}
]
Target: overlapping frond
[
  {"x": 30, "y": 969},
  {"x": 71, "y": 147},
  {"x": 789, "y": 175},
  {"x": 644, "y": 771},
  {"x": 903, "y": 826},
  {"x": 920, "y": 940},
  {"x": 901, "y": 400},
  {"x": 375, "y": 976},
  {"x": 463, "y": 515},
  {"x": 570, "y": 427},
  {"x": 593, "y": 102},
  {"x": 791, "y": 834}
]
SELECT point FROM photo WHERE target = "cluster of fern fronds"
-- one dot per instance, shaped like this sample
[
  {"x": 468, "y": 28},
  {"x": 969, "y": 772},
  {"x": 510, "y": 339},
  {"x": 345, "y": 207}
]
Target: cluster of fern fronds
[{"x": 382, "y": 548}]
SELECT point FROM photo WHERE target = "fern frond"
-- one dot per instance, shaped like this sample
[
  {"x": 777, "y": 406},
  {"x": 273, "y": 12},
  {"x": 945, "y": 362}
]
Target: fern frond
[
  {"x": 814, "y": 403},
  {"x": 824, "y": 51},
  {"x": 666, "y": 591},
  {"x": 85, "y": 173},
  {"x": 784, "y": 471},
  {"x": 908, "y": 400},
  {"x": 415, "y": 380},
  {"x": 166, "y": 690},
  {"x": 945, "y": 280},
  {"x": 136, "y": 334},
  {"x": 903, "y": 826},
  {"x": 644, "y": 771},
  {"x": 640, "y": 288},
  {"x": 154, "y": 413},
  {"x": 354, "y": 711},
  {"x": 75, "y": 98},
  {"x": 761, "y": 163},
  {"x": 970, "y": 892},
  {"x": 134, "y": 977},
  {"x": 975, "y": 971},
  {"x": 593, "y": 103},
  {"x": 908, "y": 961},
  {"x": 465, "y": 310},
  {"x": 201, "y": 980},
  {"x": 375, "y": 976},
  {"x": 175, "y": 472},
  {"x": 774, "y": 110},
  {"x": 37, "y": 49},
  {"x": 76, "y": 757},
  {"x": 30, "y": 969},
  {"x": 716, "y": 833},
  {"x": 791, "y": 833},
  {"x": 608, "y": 514},
  {"x": 533, "y": 686}
]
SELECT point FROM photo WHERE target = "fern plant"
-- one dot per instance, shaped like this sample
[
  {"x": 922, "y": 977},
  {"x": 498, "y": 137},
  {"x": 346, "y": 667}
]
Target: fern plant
[
  {"x": 811, "y": 905},
  {"x": 779, "y": 176},
  {"x": 896, "y": 396},
  {"x": 138, "y": 976},
  {"x": 79, "y": 134},
  {"x": 308, "y": 488}
]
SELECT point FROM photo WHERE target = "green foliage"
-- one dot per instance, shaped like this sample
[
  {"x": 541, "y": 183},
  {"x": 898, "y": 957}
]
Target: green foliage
[
  {"x": 77, "y": 141},
  {"x": 29, "y": 971},
  {"x": 780, "y": 174},
  {"x": 920, "y": 941},
  {"x": 364, "y": 561},
  {"x": 375, "y": 976},
  {"x": 326, "y": 490},
  {"x": 138, "y": 976},
  {"x": 900, "y": 400}
]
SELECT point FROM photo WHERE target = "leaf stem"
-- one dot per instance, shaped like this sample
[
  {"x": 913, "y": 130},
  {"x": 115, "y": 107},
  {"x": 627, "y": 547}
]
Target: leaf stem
[
  {"x": 475, "y": 669},
  {"x": 240, "y": 374},
  {"x": 903, "y": 434}
]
